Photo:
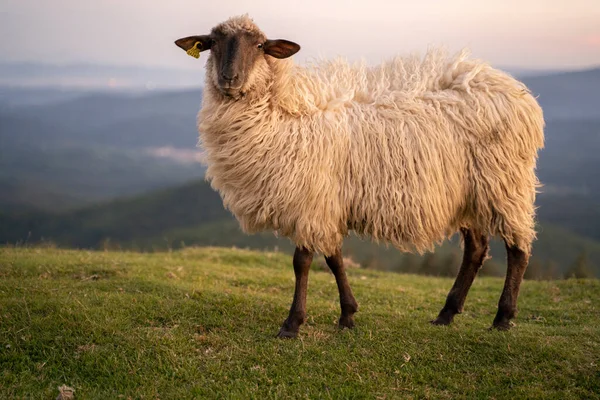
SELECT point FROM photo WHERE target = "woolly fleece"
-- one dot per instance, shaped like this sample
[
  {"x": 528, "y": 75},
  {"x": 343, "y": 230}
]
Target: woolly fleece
[{"x": 406, "y": 152}]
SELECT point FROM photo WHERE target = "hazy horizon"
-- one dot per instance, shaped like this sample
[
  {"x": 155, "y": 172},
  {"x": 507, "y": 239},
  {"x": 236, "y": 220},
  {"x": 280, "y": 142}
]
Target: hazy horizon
[{"x": 528, "y": 34}]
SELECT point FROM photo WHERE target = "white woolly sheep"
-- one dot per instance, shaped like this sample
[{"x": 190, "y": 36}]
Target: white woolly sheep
[{"x": 408, "y": 153}]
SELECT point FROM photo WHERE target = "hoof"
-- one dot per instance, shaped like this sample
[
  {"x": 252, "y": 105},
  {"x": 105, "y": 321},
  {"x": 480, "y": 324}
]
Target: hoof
[
  {"x": 441, "y": 321},
  {"x": 283, "y": 334},
  {"x": 444, "y": 318},
  {"x": 502, "y": 325},
  {"x": 290, "y": 327},
  {"x": 346, "y": 322}
]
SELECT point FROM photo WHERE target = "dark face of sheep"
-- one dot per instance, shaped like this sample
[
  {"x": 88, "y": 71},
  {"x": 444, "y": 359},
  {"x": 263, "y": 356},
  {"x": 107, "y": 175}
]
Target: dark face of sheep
[{"x": 234, "y": 56}]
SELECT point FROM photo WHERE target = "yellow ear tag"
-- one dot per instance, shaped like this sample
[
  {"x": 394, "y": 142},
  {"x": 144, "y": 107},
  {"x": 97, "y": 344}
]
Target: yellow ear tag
[{"x": 195, "y": 50}]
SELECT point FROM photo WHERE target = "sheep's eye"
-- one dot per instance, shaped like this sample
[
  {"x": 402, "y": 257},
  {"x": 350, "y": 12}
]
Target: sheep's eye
[
  {"x": 260, "y": 46},
  {"x": 212, "y": 42}
]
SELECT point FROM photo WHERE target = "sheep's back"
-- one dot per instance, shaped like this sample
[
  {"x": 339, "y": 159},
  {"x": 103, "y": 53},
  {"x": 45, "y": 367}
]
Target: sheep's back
[{"x": 439, "y": 145}]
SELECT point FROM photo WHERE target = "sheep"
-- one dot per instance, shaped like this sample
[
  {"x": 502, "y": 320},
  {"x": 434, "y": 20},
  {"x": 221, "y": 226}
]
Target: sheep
[{"x": 407, "y": 153}]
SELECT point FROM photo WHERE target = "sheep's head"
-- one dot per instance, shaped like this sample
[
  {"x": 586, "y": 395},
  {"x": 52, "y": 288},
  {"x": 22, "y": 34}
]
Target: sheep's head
[{"x": 238, "y": 51}]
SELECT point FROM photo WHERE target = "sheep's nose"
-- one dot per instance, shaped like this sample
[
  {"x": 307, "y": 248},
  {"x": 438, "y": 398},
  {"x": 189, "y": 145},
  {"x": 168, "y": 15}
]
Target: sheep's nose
[{"x": 230, "y": 77}]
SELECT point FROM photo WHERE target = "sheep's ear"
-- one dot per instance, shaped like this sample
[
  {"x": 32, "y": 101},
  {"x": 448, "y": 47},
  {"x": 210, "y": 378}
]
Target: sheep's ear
[
  {"x": 280, "y": 48},
  {"x": 188, "y": 43}
]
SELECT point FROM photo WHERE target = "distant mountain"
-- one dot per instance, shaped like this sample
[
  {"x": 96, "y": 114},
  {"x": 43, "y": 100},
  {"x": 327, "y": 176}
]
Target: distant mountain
[
  {"x": 568, "y": 95},
  {"x": 104, "y": 109},
  {"x": 135, "y": 122},
  {"x": 569, "y": 163},
  {"x": 96, "y": 147},
  {"x": 13, "y": 97},
  {"x": 521, "y": 72}
]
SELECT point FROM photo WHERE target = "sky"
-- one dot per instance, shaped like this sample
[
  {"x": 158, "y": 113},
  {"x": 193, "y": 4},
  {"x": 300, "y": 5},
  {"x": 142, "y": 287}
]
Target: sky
[{"x": 535, "y": 34}]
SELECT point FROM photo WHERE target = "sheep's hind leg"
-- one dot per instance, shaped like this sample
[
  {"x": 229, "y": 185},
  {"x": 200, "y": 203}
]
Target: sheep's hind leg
[
  {"x": 348, "y": 303},
  {"x": 476, "y": 248},
  {"x": 517, "y": 261},
  {"x": 291, "y": 326}
]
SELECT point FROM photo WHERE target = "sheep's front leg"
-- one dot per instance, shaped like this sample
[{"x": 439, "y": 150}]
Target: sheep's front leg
[
  {"x": 348, "y": 304},
  {"x": 291, "y": 326}
]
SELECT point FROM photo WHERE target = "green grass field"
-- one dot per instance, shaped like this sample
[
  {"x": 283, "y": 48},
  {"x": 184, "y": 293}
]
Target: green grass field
[{"x": 201, "y": 323}]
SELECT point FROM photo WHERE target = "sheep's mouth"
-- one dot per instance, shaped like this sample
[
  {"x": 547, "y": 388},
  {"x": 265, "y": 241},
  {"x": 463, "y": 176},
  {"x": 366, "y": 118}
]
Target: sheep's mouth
[{"x": 234, "y": 93}]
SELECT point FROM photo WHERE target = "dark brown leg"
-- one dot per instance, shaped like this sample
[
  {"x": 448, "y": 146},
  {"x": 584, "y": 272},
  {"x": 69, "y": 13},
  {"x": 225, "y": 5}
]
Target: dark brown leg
[
  {"x": 517, "y": 261},
  {"x": 290, "y": 327},
  {"x": 476, "y": 248},
  {"x": 347, "y": 302}
]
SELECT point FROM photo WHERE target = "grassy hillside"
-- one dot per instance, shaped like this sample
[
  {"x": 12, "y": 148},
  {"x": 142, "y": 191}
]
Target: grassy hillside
[{"x": 201, "y": 323}]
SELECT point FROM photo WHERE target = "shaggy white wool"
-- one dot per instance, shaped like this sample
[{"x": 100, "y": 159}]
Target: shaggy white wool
[{"x": 405, "y": 153}]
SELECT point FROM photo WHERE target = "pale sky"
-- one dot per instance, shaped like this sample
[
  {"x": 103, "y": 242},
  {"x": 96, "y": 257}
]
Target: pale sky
[{"x": 515, "y": 33}]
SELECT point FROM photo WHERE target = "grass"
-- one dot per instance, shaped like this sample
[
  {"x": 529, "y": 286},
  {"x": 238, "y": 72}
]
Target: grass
[{"x": 201, "y": 323}]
